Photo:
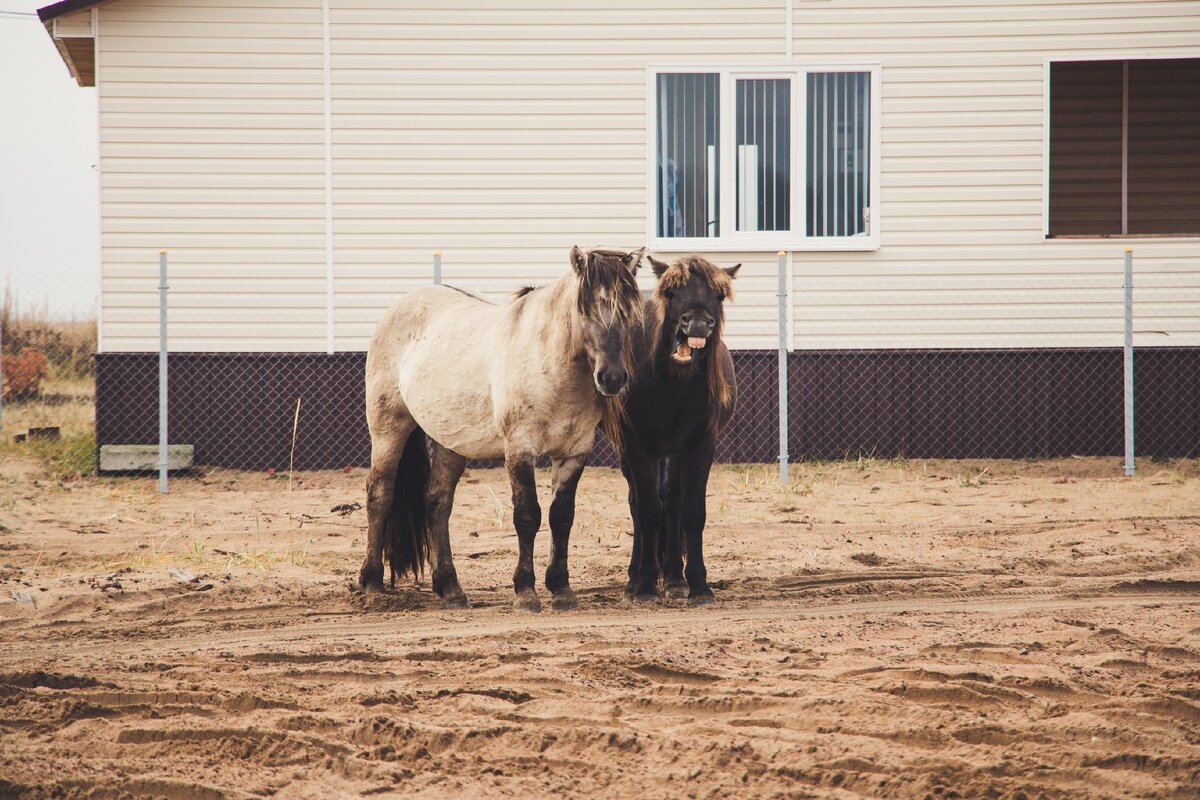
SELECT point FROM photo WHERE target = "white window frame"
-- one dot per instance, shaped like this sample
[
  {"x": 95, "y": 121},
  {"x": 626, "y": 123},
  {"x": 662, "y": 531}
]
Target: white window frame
[{"x": 753, "y": 241}]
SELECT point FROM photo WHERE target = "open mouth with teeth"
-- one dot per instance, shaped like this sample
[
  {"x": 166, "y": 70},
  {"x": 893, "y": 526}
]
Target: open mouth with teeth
[{"x": 683, "y": 351}]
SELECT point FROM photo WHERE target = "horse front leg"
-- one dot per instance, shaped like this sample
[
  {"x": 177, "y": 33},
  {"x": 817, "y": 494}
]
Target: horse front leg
[
  {"x": 562, "y": 517},
  {"x": 635, "y": 556},
  {"x": 696, "y": 467},
  {"x": 527, "y": 518},
  {"x": 445, "y": 470},
  {"x": 648, "y": 518},
  {"x": 671, "y": 491}
]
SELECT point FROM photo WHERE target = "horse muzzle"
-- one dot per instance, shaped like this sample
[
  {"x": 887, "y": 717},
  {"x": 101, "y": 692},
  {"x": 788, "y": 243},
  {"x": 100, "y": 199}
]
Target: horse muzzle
[
  {"x": 611, "y": 382},
  {"x": 684, "y": 345}
]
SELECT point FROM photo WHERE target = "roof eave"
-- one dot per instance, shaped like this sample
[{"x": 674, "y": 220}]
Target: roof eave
[{"x": 56, "y": 10}]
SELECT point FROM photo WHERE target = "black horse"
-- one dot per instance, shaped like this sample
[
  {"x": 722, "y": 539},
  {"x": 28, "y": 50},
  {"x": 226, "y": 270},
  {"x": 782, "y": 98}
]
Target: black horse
[{"x": 681, "y": 396}]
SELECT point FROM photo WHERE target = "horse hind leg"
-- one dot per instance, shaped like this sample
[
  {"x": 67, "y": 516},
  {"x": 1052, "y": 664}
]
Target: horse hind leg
[
  {"x": 445, "y": 470},
  {"x": 562, "y": 517},
  {"x": 387, "y": 449}
]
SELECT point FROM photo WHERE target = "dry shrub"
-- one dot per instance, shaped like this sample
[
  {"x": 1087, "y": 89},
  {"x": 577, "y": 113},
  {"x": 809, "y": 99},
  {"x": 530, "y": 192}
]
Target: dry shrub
[
  {"x": 23, "y": 373},
  {"x": 67, "y": 347}
]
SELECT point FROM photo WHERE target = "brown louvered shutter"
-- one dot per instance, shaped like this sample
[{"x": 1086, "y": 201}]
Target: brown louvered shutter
[
  {"x": 1164, "y": 146},
  {"x": 1154, "y": 105},
  {"x": 1085, "y": 148}
]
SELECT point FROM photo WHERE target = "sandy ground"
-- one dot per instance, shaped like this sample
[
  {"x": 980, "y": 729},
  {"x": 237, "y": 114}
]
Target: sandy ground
[{"x": 890, "y": 629}]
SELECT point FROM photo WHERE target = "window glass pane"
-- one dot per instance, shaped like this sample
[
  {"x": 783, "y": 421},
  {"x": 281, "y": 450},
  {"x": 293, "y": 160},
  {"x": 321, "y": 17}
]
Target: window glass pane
[
  {"x": 839, "y": 153},
  {"x": 763, "y": 161},
  {"x": 686, "y": 152},
  {"x": 1085, "y": 148},
  {"x": 1164, "y": 146}
]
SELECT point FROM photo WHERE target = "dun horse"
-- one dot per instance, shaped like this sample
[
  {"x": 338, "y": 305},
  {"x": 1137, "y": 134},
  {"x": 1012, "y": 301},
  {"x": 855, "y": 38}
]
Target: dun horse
[
  {"x": 483, "y": 381},
  {"x": 682, "y": 395}
]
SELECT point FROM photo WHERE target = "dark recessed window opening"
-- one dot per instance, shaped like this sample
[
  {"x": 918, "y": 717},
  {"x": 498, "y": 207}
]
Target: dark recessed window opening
[{"x": 1125, "y": 148}]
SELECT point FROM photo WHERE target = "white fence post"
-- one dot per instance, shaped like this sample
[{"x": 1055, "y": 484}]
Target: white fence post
[
  {"x": 1129, "y": 467},
  {"x": 783, "y": 370},
  {"x": 437, "y": 267},
  {"x": 162, "y": 371}
]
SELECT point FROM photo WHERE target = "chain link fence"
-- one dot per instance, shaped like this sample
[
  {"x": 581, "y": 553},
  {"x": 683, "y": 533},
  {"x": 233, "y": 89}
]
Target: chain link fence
[{"x": 1005, "y": 366}]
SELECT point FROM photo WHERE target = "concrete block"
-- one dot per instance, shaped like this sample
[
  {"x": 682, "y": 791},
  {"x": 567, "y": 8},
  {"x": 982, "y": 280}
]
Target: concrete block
[{"x": 144, "y": 457}]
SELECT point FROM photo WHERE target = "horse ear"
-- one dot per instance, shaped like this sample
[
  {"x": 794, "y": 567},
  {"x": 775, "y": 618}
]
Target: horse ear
[
  {"x": 578, "y": 259},
  {"x": 634, "y": 260},
  {"x": 732, "y": 271},
  {"x": 659, "y": 267}
]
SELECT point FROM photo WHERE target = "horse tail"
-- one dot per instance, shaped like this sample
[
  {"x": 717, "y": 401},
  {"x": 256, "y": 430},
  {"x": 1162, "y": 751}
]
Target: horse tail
[{"x": 406, "y": 542}]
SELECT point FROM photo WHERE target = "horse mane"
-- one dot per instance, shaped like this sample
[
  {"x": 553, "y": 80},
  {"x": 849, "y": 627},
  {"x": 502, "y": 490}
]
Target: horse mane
[
  {"x": 678, "y": 274},
  {"x": 720, "y": 283},
  {"x": 606, "y": 269},
  {"x": 524, "y": 290}
]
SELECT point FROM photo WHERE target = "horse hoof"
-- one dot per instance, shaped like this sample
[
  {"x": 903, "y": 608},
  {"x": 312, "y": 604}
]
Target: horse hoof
[
  {"x": 643, "y": 598},
  {"x": 676, "y": 591},
  {"x": 701, "y": 599},
  {"x": 371, "y": 587},
  {"x": 527, "y": 601},
  {"x": 370, "y": 579},
  {"x": 564, "y": 600},
  {"x": 455, "y": 600}
]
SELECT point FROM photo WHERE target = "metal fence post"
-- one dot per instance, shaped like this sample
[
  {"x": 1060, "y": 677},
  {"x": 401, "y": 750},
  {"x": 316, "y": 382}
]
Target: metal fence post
[
  {"x": 1129, "y": 362},
  {"x": 783, "y": 382},
  {"x": 437, "y": 267},
  {"x": 162, "y": 371}
]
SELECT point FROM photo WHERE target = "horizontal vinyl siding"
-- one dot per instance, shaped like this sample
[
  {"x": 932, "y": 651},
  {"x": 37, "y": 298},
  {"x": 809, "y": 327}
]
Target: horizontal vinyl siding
[
  {"x": 502, "y": 133},
  {"x": 962, "y": 261},
  {"x": 211, "y": 146},
  {"x": 503, "y": 136}
]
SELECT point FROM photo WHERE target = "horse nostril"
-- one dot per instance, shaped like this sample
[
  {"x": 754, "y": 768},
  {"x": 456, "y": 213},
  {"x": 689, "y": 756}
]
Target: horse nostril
[{"x": 612, "y": 381}]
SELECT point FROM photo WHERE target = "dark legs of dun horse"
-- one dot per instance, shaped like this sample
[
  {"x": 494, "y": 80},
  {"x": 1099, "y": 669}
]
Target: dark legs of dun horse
[
  {"x": 381, "y": 487},
  {"x": 562, "y": 517},
  {"x": 527, "y": 518},
  {"x": 446, "y": 468}
]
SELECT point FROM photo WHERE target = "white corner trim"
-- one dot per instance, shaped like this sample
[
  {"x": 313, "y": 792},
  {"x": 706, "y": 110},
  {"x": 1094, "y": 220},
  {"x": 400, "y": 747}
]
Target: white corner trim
[
  {"x": 328, "y": 95},
  {"x": 99, "y": 184}
]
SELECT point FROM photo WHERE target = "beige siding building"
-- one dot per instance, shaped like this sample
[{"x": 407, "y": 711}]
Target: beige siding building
[{"x": 302, "y": 160}]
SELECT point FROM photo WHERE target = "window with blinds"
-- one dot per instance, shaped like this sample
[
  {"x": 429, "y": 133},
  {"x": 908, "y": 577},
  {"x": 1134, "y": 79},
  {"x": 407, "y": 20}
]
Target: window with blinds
[
  {"x": 839, "y": 148},
  {"x": 760, "y": 158},
  {"x": 686, "y": 151},
  {"x": 763, "y": 162},
  {"x": 1125, "y": 148}
]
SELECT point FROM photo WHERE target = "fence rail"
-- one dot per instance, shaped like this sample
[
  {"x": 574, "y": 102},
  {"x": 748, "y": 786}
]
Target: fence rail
[{"x": 803, "y": 400}]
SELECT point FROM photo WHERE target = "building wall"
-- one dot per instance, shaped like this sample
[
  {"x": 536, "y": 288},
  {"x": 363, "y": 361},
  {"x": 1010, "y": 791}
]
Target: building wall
[
  {"x": 212, "y": 145},
  {"x": 964, "y": 261},
  {"x": 502, "y": 136}
]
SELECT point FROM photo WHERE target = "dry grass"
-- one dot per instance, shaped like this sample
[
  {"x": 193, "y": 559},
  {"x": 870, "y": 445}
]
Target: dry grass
[
  {"x": 69, "y": 344},
  {"x": 66, "y": 399}
]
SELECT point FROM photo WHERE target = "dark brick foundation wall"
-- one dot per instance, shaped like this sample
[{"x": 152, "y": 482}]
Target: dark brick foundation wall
[{"x": 238, "y": 408}]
